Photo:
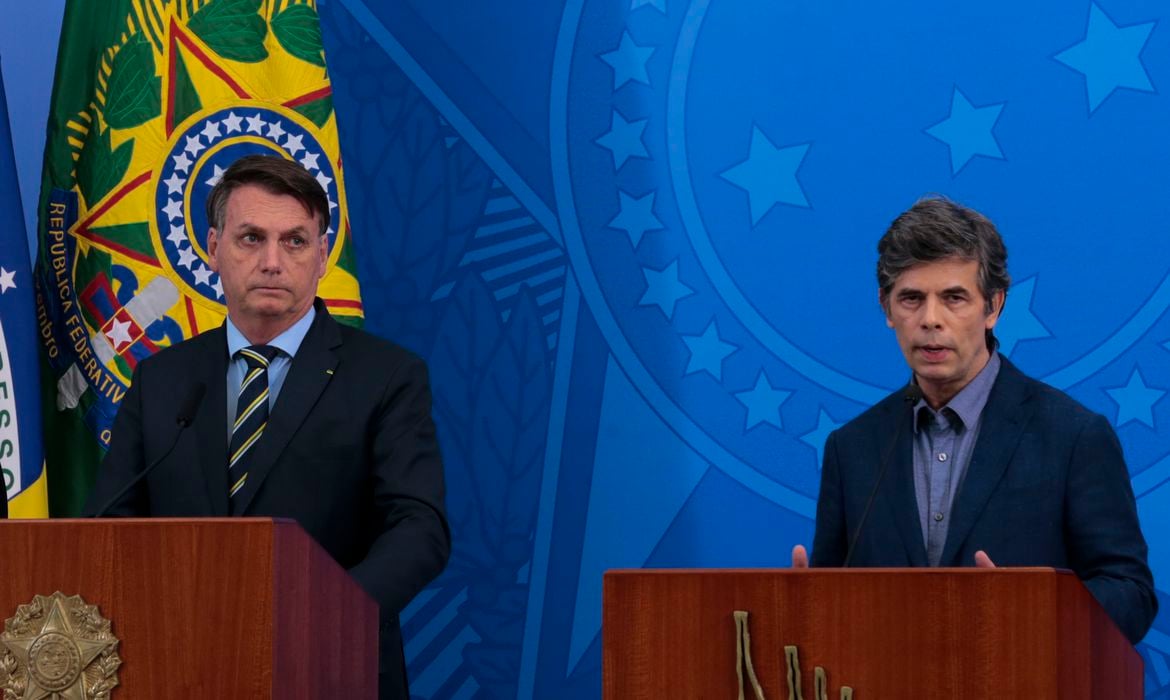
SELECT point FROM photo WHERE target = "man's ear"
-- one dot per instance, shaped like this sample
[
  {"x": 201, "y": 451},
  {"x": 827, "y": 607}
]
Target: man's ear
[
  {"x": 883, "y": 301},
  {"x": 997, "y": 301},
  {"x": 212, "y": 246},
  {"x": 323, "y": 255}
]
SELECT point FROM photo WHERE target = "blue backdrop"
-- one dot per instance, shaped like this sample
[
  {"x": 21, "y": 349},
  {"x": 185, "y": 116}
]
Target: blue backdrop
[{"x": 636, "y": 242}]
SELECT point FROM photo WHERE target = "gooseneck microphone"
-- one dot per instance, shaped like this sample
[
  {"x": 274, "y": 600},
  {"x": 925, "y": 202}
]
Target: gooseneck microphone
[
  {"x": 183, "y": 418},
  {"x": 911, "y": 395}
]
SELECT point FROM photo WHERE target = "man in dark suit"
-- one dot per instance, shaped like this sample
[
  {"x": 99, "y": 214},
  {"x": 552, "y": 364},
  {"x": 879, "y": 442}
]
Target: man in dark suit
[
  {"x": 303, "y": 417},
  {"x": 985, "y": 466}
]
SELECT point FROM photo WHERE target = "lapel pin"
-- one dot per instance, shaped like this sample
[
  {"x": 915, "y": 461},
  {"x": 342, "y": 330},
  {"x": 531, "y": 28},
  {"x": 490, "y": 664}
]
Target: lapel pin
[{"x": 329, "y": 372}]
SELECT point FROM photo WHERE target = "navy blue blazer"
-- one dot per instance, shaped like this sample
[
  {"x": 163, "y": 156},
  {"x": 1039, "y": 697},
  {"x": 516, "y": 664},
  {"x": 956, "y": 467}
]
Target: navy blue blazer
[
  {"x": 349, "y": 452},
  {"x": 1047, "y": 486}
]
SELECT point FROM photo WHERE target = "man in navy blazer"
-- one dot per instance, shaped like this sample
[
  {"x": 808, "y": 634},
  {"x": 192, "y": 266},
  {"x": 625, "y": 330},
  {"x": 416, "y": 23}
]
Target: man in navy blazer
[
  {"x": 983, "y": 465},
  {"x": 347, "y": 447}
]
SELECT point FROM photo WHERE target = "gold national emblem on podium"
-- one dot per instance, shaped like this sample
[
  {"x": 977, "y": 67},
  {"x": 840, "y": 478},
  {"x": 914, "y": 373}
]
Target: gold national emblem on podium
[{"x": 60, "y": 648}]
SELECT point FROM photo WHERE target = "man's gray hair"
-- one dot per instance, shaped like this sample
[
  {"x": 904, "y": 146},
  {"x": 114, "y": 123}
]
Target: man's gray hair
[{"x": 936, "y": 228}]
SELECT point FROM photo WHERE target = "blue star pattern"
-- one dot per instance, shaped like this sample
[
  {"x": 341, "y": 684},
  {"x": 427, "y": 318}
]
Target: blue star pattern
[
  {"x": 664, "y": 289},
  {"x": 708, "y": 351},
  {"x": 967, "y": 131},
  {"x": 624, "y": 140},
  {"x": 718, "y": 108},
  {"x": 628, "y": 62},
  {"x": 1109, "y": 57},
  {"x": 1018, "y": 321},
  {"x": 817, "y": 436},
  {"x": 763, "y": 403},
  {"x": 636, "y": 217},
  {"x": 768, "y": 175},
  {"x": 1135, "y": 401}
]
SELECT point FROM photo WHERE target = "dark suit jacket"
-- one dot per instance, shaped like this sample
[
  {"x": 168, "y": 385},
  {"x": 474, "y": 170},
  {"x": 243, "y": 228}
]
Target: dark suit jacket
[
  {"x": 349, "y": 452},
  {"x": 1047, "y": 486}
]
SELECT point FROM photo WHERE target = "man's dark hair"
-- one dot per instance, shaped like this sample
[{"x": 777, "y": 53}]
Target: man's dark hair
[
  {"x": 936, "y": 228},
  {"x": 274, "y": 175}
]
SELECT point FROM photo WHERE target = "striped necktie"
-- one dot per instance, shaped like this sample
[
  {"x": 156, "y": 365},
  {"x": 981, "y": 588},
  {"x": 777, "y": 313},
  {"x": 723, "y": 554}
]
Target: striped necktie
[{"x": 251, "y": 416}]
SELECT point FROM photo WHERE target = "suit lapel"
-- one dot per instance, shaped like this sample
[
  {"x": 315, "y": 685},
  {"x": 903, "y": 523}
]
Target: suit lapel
[
  {"x": 308, "y": 375},
  {"x": 211, "y": 423},
  {"x": 901, "y": 501},
  {"x": 1004, "y": 418}
]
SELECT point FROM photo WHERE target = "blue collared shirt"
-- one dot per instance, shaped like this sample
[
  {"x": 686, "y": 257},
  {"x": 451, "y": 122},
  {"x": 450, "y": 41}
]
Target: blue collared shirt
[
  {"x": 287, "y": 342},
  {"x": 943, "y": 443}
]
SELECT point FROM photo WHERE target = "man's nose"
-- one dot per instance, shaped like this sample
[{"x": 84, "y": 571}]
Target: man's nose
[
  {"x": 931, "y": 313},
  {"x": 270, "y": 256}
]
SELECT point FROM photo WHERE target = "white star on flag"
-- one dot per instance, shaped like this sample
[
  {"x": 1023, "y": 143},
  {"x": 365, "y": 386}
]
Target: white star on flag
[
  {"x": 211, "y": 131},
  {"x": 7, "y": 280},
  {"x": 232, "y": 122},
  {"x": 175, "y": 184},
  {"x": 215, "y": 177},
  {"x": 202, "y": 275},
  {"x": 178, "y": 234},
  {"x": 255, "y": 124},
  {"x": 324, "y": 180},
  {"x": 194, "y": 145},
  {"x": 310, "y": 161},
  {"x": 174, "y": 209},
  {"x": 119, "y": 334},
  {"x": 294, "y": 144},
  {"x": 275, "y": 131},
  {"x": 182, "y": 162},
  {"x": 186, "y": 257}
]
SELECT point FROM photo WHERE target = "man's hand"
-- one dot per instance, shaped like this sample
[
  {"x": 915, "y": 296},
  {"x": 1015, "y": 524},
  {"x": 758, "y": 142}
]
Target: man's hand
[
  {"x": 982, "y": 561},
  {"x": 799, "y": 557}
]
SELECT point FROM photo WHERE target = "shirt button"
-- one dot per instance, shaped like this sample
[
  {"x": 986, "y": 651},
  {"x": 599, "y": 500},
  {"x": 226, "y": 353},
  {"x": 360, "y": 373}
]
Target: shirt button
[
  {"x": 938, "y": 517},
  {"x": 942, "y": 456}
]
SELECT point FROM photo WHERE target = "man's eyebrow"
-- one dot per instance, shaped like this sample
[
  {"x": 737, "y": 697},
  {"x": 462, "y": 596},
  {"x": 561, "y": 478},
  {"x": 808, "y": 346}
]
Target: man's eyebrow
[{"x": 957, "y": 289}]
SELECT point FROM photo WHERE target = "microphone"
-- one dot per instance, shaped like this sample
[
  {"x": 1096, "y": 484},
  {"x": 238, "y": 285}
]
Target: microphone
[
  {"x": 912, "y": 394},
  {"x": 183, "y": 418}
]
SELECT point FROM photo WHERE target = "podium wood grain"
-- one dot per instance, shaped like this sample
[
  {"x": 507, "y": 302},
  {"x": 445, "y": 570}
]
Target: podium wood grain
[
  {"x": 206, "y": 608},
  {"x": 888, "y": 633}
]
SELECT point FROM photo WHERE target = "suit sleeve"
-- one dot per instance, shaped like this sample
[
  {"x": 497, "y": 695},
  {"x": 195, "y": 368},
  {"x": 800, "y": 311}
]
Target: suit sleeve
[
  {"x": 1105, "y": 543},
  {"x": 413, "y": 541},
  {"x": 830, "y": 539},
  {"x": 124, "y": 460}
]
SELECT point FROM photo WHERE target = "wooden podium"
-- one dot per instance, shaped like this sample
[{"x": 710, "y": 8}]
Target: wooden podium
[
  {"x": 886, "y": 633},
  {"x": 219, "y": 608}
]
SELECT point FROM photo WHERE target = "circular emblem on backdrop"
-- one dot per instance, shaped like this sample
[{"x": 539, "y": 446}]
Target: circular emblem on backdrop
[
  {"x": 58, "y": 646},
  {"x": 722, "y": 206}
]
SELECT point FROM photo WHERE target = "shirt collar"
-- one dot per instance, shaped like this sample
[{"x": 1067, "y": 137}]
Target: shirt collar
[
  {"x": 287, "y": 342},
  {"x": 968, "y": 404}
]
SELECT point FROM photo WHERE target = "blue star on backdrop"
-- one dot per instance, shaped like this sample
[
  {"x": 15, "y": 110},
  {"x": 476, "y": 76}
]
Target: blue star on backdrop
[
  {"x": 1135, "y": 401},
  {"x": 708, "y": 351},
  {"x": 664, "y": 289},
  {"x": 768, "y": 174},
  {"x": 968, "y": 131},
  {"x": 1109, "y": 57}
]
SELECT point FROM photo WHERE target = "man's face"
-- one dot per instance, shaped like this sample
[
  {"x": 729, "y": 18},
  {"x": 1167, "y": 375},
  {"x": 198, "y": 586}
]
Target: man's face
[
  {"x": 270, "y": 256},
  {"x": 939, "y": 316}
]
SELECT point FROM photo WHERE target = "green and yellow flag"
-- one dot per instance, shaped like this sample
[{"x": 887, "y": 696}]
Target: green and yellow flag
[{"x": 153, "y": 100}]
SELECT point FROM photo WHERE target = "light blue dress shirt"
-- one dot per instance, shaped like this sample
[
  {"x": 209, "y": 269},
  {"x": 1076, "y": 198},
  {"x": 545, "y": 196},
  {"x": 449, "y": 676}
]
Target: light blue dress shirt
[
  {"x": 944, "y": 441},
  {"x": 287, "y": 342}
]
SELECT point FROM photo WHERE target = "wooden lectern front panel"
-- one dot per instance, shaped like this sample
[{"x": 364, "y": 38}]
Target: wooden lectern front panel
[
  {"x": 207, "y": 608},
  {"x": 926, "y": 633}
]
